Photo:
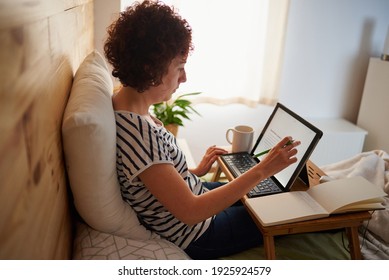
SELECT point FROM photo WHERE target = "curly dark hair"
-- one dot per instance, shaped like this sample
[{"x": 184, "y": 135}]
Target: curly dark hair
[{"x": 143, "y": 41}]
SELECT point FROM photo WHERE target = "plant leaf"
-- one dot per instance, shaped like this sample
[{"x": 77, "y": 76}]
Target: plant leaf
[
  {"x": 172, "y": 112},
  {"x": 188, "y": 94}
]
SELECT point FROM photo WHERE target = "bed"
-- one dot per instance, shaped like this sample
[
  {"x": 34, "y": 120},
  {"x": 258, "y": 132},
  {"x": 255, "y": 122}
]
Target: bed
[{"x": 59, "y": 194}]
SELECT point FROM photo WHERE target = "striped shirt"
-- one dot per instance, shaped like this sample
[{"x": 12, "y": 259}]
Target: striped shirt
[{"x": 140, "y": 145}]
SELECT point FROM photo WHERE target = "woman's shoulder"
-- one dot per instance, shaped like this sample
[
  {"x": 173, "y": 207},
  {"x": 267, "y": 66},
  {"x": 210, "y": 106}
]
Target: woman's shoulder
[
  {"x": 134, "y": 117},
  {"x": 133, "y": 121},
  {"x": 127, "y": 118}
]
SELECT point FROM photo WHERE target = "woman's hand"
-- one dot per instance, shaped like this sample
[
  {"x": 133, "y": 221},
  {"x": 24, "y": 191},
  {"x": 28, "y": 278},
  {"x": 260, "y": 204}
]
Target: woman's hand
[
  {"x": 208, "y": 159},
  {"x": 280, "y": 156}
]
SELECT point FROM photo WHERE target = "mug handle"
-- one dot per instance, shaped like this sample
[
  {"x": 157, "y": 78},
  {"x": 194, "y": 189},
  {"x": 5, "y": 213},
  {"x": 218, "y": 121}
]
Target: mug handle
[{"x": 228, "y": 135}]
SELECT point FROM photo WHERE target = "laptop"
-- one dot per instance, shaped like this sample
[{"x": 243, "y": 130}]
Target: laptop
[{"x": 282, "y": 122}]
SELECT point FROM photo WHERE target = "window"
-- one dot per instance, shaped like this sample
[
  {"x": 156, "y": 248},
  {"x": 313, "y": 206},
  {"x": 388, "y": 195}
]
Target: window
[{"x": 238, "y": 49}]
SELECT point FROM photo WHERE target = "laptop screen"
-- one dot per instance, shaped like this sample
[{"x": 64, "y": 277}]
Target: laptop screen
[{"x": 283, "y": 122}]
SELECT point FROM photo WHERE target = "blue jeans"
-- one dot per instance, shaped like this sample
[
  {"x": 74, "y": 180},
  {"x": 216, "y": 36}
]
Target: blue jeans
[{"x": 231, "y": 231}]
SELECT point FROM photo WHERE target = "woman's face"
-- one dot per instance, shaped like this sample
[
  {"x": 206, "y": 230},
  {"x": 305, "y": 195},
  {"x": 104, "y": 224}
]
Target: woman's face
[{"x": 173, "y": 78}]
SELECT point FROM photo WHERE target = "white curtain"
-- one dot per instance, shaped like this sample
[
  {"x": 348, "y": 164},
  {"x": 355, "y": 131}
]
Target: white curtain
[{"x": 238, "y": 49}]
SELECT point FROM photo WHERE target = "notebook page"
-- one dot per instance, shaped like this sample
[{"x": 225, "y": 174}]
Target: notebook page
[
  {"x": 285, "y": 207},
  {"x": 337, "y": 194}
]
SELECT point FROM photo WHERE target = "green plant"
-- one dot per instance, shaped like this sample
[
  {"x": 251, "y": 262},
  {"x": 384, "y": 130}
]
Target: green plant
[{"x": 175, "y": 111}]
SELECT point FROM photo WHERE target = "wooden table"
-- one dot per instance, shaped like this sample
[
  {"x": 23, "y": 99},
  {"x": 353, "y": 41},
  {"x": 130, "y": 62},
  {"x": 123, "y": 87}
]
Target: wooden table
[{"x": 350, "y": 222}]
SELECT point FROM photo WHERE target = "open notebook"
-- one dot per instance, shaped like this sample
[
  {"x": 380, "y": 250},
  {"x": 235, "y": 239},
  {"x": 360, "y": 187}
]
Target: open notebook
[
  {"x": 351, "y": 194},
  {"x": 282, "y": 122}
]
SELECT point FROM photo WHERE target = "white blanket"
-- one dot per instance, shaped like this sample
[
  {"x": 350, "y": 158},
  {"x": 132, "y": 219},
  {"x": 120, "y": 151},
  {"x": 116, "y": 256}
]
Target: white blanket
[{"x": 374, "y": 166}]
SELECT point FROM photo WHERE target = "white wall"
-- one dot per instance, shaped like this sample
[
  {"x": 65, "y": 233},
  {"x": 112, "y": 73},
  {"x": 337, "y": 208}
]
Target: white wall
[
  {"x": 105, "y": 11},
  {"x": 328, "y": 45},
  {"x": 210, "y": 128}
]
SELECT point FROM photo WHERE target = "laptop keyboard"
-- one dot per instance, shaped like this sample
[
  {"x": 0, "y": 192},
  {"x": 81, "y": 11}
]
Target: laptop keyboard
[
  {"x": 240, "y": 164},
  {"x": 265, "y": 187},
  {"x": 243, "y": 162}
]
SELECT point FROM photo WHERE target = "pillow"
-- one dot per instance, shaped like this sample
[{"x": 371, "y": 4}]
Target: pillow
[
  {"x": 89, "y": 141},
  {"x": 91, "y": 244}
]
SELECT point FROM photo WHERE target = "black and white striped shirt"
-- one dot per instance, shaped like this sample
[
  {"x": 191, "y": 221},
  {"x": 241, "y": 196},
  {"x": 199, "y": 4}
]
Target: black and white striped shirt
[{"x": 140, "y": 145}]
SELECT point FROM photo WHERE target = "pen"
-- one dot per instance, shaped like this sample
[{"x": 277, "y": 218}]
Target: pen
[{"x": 266, "y": 151}]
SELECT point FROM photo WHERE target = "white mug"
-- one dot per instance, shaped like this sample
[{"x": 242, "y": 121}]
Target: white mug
[{"x": 242, "y": 138}]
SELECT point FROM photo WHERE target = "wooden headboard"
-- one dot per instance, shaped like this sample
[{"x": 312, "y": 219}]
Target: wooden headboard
[{"x": 41, "y": 45}]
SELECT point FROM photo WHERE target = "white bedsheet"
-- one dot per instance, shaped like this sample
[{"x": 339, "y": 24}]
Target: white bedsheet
[{"x": 374, "y": 166}]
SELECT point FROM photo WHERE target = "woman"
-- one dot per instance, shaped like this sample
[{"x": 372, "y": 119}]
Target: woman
[{"x": 148, "y": 47}]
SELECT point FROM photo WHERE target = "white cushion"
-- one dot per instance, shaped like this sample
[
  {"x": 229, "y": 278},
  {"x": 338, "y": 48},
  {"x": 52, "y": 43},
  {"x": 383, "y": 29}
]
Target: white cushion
[
  {"x": 89, "y": 140},
  {"x": 94, "y": 245}
]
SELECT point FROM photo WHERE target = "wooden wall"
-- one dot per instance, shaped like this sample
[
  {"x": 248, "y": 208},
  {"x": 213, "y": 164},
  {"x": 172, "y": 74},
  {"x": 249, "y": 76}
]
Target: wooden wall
[{"x": 42, "y": 42}]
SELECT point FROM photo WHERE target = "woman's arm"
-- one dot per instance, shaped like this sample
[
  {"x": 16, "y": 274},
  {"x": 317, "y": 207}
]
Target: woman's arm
[{"x": 166, "y": 184}]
